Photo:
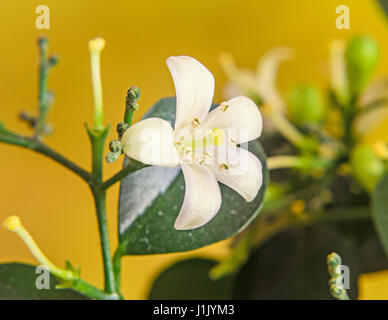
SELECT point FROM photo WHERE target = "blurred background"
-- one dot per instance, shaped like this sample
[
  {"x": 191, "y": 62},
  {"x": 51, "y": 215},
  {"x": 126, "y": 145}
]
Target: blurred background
[{"x": 55, "y": 205}]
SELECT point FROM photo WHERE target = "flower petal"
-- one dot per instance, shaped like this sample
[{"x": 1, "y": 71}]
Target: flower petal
[
  {"x": 151, "y": 141},
  {"x": 239, "y": 118},
  {"x": 194, "y": 86},
  {"x": 202, "y": 198},
  {"x": 267, "y": 70},
  {"x": 243, "y": 171}
]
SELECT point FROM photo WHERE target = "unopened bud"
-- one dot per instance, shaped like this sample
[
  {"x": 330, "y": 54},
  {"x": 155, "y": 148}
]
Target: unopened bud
[
  {"x": 53, "y": 60},
  {"x": 115, "y": 146},
  {"x": 133, "y": 95},
  {"x": 42, "y": 42},
  {"x": 121, "y": 128},
  {"x": 367, "y": 167},
  {"x": 361, "y": 55},
  {"x": 305, "y": 104},
  {"x": 112, "y": 156}
]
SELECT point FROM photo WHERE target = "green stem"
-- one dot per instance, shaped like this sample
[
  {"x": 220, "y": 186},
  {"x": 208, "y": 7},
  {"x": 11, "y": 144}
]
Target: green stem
[
  {"x": 43, "y": 79},
  {"x": 132, "y": 166},
  {"x": 100, "y": 203},
  {"x": 97, "y": 139},
  {"x": 91, "y": 291},
  {"x": 39, "y": 147},
  {"x": 117, "y": 265},
  {"x": 280, "y": 162}
]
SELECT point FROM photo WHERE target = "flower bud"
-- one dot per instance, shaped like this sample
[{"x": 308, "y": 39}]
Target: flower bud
[
  {"x": 112, "y": 156},
  {"x": 115, "y": 146},
  {"x": 133, "y": 96},
  {"x": 367, "y": 167},
  {"x": 361, "y": 55},
  {"x": 42, "y": 42},
  {"x": 53, "y": 60},
  {"x": 121, "y": 128},
  {"x": 305, "y": 104}
]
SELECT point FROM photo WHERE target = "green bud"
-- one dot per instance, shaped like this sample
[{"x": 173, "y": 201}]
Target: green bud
[
  {"x": 121, "y": 128},
  {"x": 115, "y": 146},
  {"x": 367, "y": 168},
  {"x": 53, "y": 60},
  {"x": 305, "y": 104},
  {"x": 112, "y": 156},
  {"x": 133, "y": 95},
  {"x": 361, "y": 55},
  {"x": 42, "y": 42}
]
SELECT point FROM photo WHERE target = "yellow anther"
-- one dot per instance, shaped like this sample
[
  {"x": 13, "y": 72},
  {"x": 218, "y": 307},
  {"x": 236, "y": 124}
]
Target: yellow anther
[
  {"x": 196, "y": 123},
  {"x": 224, "y": 106},
  {"x": 297, "y": 207},
  {"x": 381, "y": 150},
  {"x": 223, "y": 166},
  {"x": 218, "y": 136},
  {"x": 12, "y": 223},
  {"x": 96, "y": 44},
  {"x": 344, "y": 169}
]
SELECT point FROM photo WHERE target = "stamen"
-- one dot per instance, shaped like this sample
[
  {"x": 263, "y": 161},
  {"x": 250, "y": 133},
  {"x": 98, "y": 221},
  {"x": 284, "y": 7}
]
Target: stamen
[
  {"x": 223, "y": 166},
  {"x": 224, "y": 106},
  {"x": 196, "y": 123},
  {"x": 216, "y": 137}
]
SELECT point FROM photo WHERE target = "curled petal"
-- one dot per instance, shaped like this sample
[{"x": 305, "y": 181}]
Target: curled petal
[
  {"x": 151, "y": 141},
  {"x": 239, "y": 118},
  {"x": 240, "y": 170},
  {"x": 194, "y": 86},
  {"x": 202, "y": 198},
  {"x": 267, "y": 70}
]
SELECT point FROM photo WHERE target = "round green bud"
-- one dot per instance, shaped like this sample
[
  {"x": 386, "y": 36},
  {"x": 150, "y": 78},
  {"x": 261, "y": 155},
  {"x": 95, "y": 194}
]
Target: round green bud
[
  {"x": 115, "y": 146},
  {"x": 42, "y": 42},
  {"x": 53, "y": 60},
  {"x": 361, "y": 55},
  {"x": 121, "y": 128},
  {"x": 133, "y": 94},
  {"x": 112, "y": 156},
  {"x": 367, "y": 168},
  {"x": 305, "y": 104}
]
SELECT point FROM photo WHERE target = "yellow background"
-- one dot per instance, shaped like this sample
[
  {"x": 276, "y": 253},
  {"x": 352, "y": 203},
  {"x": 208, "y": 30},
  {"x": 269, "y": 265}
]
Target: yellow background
[{"x": 54, "y": 204}]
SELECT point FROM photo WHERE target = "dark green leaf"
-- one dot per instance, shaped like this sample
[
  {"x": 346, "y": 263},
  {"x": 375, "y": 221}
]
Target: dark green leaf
[
  {"x": 189, "y": 280},
  {"x": 380, "y": 212},
  {"x": 384, "y": 6},
  {"x": 293, "y": 265},
  {"x": 150, "y": 200},
  {"x": 17, "y": 282}
]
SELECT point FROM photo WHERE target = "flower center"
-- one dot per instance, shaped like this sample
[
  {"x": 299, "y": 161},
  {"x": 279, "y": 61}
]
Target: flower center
[{"x": 198, "y": 150}]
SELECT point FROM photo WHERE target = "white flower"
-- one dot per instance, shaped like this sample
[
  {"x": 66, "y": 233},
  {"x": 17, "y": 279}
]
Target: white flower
[
  {"x": 203, "y": 143},
  {"x": 261, "y": 81}
]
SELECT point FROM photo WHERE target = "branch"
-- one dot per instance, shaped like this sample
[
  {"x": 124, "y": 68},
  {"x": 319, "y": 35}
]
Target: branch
[
  {"x": 132, "y": 166},
  {"x": 39, "y": 147}
]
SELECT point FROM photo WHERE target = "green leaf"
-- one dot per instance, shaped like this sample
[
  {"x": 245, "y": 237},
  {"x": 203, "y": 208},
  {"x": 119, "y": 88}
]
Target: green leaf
[
  {"x": 17, "y": 282},
  {"x": 293, "y": 265},
  {"x": 189, "y": 280},
  {"x": 150, "y": 200},
  {"x": 384, "y": 6},
  {"x": 380, "y": 212}
]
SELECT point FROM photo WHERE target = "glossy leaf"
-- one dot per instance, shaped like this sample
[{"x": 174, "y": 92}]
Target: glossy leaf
[
  {"x": 189, "y": 280},
  {"x": 383, "y": 6},
  {"x": 380, "y": 212},
  {"x": 150, "y": 200},
  {"x": 17, "y": 282},
  {"x": 293, "y": 265}
]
